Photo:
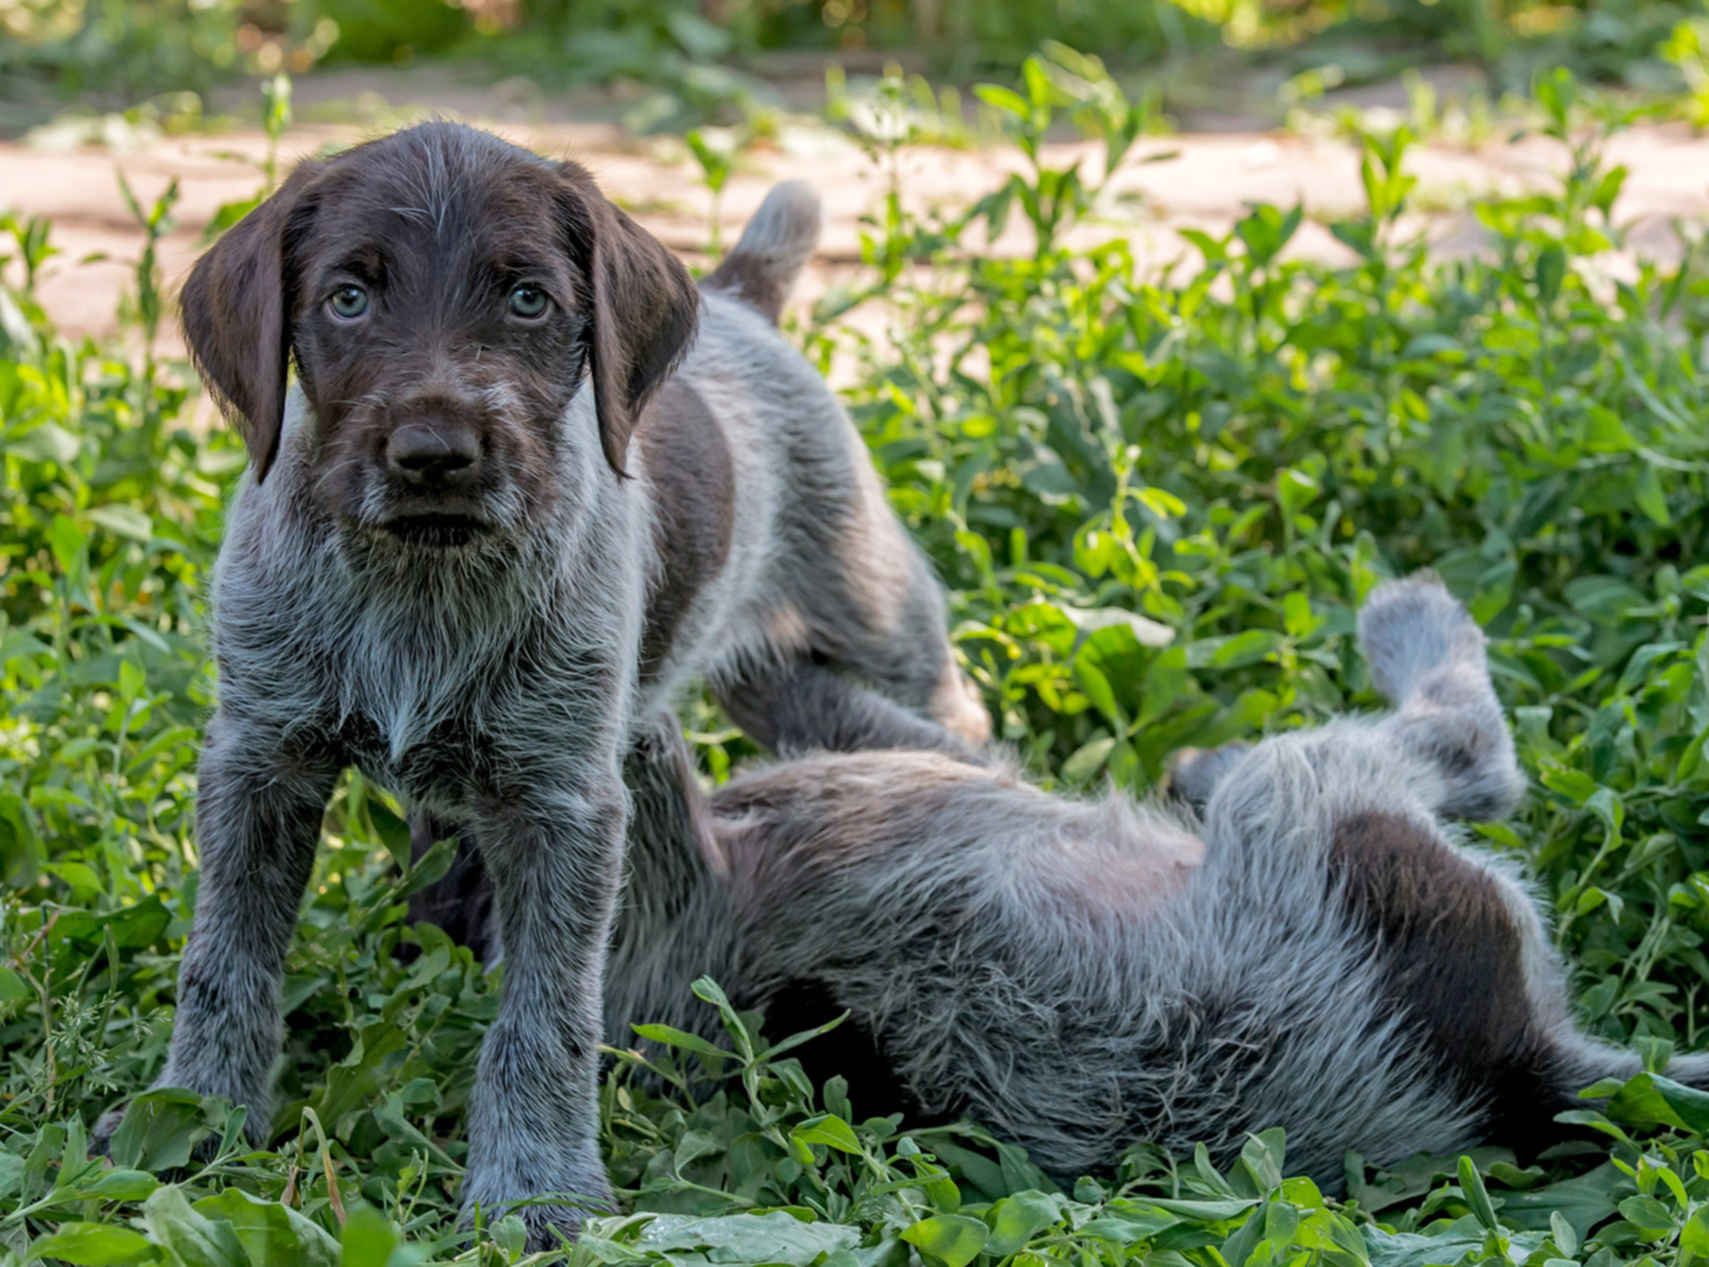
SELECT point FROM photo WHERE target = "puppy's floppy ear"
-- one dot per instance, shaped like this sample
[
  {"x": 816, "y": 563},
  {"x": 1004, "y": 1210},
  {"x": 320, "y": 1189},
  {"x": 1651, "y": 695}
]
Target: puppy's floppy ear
[
  {"x": 236, "y": 308},
  {"x": 645, "y": 308}
]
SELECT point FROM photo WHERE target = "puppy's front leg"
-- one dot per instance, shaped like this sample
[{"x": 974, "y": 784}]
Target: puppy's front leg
[
  {"x": 258, "y": 813},
  {"x": 554, "y": 854}
]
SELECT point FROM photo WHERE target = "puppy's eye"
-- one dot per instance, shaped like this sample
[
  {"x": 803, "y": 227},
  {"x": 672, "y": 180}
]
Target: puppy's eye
[
  {"x": 348, "y": 302},
  {"x": 528, "y": 302}
]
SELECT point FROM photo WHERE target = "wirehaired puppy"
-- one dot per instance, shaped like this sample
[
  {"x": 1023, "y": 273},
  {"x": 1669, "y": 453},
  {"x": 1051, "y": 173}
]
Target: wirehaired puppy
[
  {"x": 1301, "y": 938},
  {"x": 512, "y": 501}
]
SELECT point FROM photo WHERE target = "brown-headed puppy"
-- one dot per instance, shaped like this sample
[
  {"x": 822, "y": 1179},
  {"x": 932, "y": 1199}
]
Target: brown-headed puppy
[{"x": 528, "y": 481}]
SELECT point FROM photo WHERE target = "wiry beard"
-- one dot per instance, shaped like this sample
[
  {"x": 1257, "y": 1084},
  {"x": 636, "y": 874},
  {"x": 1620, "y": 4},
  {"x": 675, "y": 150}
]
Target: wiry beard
[
  {"x": 430, "y": 621},
  {"x": 455, "y": 557},
  {"x": 485, "y": 577}
]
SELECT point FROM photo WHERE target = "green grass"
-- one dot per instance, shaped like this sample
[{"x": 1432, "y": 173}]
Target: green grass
[{"x": 1238, "y": 450}]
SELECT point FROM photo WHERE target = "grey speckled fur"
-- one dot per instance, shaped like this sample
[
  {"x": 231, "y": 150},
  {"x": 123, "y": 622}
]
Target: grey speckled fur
[
  {"x": 495, "y": 684},
  {"x": 1081, "y": 975}
]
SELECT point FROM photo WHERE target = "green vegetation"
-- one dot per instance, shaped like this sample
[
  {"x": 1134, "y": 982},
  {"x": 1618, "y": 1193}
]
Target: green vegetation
[{"x": 1238, "y": 447}]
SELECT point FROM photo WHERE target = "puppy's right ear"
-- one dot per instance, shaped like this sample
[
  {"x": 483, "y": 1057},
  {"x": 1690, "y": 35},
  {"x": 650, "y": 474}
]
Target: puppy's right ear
[{"x": 236, "y": 307}]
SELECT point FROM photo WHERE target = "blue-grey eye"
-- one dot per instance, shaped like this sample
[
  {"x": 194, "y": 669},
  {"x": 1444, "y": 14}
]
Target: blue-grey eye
[
  {"x": 348, "y": 302},
  {"x": 528, "y": 301}
]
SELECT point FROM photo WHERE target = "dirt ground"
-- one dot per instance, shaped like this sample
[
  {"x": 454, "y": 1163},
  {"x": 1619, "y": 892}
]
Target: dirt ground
[{"x": 1204, "y": 179}]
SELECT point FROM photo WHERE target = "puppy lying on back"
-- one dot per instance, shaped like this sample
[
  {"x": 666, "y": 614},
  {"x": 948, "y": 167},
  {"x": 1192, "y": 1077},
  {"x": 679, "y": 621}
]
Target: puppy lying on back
[
  {"x": 1314, "y": 946},
  {"x": 484, "y": 537}
]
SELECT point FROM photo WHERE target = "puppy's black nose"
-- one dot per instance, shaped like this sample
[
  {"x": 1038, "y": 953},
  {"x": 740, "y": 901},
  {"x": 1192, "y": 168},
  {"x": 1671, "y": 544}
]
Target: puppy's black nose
[{"x": 436, "y": 453}]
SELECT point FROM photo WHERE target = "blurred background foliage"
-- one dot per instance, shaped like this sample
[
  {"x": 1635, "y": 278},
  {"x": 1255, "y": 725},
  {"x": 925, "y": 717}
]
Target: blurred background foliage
[{"x": 113, "y": 53}]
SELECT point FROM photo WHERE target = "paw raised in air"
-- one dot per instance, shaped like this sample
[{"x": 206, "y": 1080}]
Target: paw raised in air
[{"x": 1409, "y": 627}]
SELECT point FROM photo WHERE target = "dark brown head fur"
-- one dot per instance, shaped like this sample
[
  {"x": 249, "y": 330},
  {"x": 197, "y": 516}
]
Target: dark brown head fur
[{"x": 441, "y": 292}]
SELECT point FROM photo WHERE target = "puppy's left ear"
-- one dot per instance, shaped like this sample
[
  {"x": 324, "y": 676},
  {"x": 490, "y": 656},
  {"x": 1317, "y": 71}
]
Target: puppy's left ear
[{"x": 645, "y": 308}]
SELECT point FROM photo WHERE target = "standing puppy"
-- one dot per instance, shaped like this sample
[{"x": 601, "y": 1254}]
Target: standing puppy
[
  {"x": 482, "y": 538},
  {"x": 1306, "y": 941}
]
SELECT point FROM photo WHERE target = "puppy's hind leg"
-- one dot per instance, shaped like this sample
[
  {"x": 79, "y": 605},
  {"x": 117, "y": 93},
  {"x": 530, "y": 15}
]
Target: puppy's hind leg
[
  {"x": 461, "y": 900},
  {"x": 804, "y": 706},
  {"x": 1470, "y": 955},
  {"x": 1427, "y": 655},
  {"x": 1192, "y": 774},
  {"x": 872, "y": 668}
]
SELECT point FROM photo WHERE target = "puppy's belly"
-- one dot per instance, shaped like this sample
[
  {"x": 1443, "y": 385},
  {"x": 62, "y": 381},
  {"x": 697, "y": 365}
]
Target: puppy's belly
[{"x": 1131, "y": 878}]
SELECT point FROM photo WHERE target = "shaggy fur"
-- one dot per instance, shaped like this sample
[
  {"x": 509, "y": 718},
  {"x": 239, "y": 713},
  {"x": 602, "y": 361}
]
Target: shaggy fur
[
  {"x": 1316, "y": 947},
  {"x": 485, "y": 537}
]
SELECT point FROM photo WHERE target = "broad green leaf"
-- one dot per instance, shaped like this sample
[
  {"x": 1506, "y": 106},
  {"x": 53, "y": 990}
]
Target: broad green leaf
[
  {"x": 829, "y": 1130},
  {"x": 1016, "y": 1219},
  {"x": 271, "y": 1233},
  {"x": 777, "y": 1237},
  {"x": 160, "y": 1129},
  {"x": 93, "y": 1245},
  {"x": 672, "y": 1037},
  {"x": 191, "y": 1238},
  {"x": 45, "y": 442},
  {"x": 953, "y": 1240},
  {"x": 1472, "y": 1185},
  {"x": 368, "y": 1238},
  {"x": 1085, "y": 763}
]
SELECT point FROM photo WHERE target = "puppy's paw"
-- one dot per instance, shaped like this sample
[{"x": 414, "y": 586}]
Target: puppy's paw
[
  {"x": 101, "y": 1137},
  {"x": 958, "y": 707},
  {"x": 555, "y": 1210},
  {"x": 1191, "y": 775},
  {"x": 1407, "y": 628}
]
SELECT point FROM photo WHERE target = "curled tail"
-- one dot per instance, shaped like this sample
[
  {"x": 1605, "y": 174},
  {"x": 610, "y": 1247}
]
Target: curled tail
[{"x": 767, "y": 258}]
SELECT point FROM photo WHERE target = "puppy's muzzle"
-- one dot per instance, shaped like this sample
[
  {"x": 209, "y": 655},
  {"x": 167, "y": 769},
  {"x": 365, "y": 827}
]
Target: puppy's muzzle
[{"x": 434, "y": 464}]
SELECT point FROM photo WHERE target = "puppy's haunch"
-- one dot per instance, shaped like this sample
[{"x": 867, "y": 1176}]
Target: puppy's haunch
[
  {"x": 528, "y": 482},
  {"x": 1313, "y": 947}
]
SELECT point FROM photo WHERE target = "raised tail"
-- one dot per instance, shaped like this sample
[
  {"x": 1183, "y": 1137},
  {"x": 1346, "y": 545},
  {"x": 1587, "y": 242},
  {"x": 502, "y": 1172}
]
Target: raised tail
[{"x": 767, "y": 258}]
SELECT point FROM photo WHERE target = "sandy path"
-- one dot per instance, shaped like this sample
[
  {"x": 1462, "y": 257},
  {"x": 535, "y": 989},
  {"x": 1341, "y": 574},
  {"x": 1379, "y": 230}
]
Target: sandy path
[{"x": 1206, "y": 182}]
